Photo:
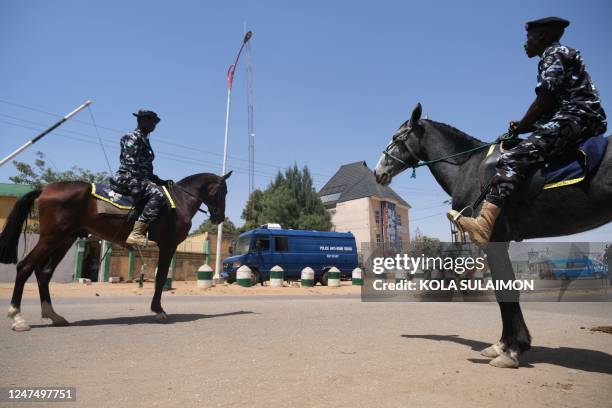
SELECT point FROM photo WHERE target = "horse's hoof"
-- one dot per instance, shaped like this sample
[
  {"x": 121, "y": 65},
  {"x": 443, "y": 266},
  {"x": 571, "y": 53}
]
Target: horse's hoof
[
  {"x": 505, "y": 360},
  {"x": 12, "y": 312},
  {"x": 20, "y": 326},
  {"x": 161, "y": 317},
  {"x": 492, "y": 351}
]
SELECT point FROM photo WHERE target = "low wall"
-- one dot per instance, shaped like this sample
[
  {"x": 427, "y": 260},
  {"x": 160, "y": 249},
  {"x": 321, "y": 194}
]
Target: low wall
[
  {"x": 63, "y": 272},
  {"x": 186, "y": 263}
]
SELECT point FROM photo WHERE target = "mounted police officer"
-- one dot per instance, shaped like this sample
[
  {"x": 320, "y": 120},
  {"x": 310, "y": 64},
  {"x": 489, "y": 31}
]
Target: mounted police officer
[
  {"x": 566, "y": 111},
  {"x": 135, "y": 176}
]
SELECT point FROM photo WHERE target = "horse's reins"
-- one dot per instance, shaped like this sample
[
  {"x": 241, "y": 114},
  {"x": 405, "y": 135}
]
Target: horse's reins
[
  {"x": 189, "y": 193},
  {"x": 403, "y": 136}
]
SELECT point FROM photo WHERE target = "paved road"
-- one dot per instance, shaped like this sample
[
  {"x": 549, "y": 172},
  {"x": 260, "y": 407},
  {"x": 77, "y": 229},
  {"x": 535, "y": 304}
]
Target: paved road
[{"x": 304, "y": 351}]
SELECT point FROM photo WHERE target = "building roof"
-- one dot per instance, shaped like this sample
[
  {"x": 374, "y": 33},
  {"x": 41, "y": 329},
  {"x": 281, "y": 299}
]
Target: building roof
[
  {"x": 353, "y": 181},
  {"x": 14, "y": 190},
  {"x": 297, "y": 233}
]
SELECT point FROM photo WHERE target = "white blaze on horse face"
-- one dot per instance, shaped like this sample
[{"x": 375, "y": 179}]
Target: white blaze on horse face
[
  {"x": 385, "y": 168},
  {"x": 380, "y": 165}
]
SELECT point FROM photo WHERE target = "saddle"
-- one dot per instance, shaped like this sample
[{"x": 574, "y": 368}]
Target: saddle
[
  {"x": 111, "y": 202},
  {"x": 570, "y": 169}
]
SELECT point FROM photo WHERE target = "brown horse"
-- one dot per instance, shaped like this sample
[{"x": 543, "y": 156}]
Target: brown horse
[{"x": 67, "y": 210}]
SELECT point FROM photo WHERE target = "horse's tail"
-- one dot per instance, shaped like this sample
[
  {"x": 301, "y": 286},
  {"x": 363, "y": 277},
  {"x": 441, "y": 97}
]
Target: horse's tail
[{"x": 9, "y": 238}]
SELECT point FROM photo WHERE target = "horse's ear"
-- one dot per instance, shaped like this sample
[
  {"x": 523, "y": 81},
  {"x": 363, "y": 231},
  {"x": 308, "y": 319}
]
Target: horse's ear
[
  {"x": 416, "y": 114},
  {"x": 226, "y": 176}
]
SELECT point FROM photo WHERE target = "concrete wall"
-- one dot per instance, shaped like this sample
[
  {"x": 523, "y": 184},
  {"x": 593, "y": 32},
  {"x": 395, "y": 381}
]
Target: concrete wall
[
  {"x": 187, "y": 263},
  {"x": 63, "y": 272}
]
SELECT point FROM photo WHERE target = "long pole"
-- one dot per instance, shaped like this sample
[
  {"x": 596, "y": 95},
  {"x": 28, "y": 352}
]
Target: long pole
[
  {"x": 44, "y": 133},
  {"x": 230, "y": 81}
]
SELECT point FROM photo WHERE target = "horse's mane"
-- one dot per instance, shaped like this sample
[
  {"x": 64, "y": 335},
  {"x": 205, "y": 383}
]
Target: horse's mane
[
  {"x": 469, "y": 140},
  {"x": 191, "y": 178}
]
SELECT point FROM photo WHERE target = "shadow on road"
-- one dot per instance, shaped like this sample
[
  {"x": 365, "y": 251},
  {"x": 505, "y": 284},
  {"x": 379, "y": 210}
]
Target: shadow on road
[
  {"x": 569, "y": 357},
  {"x": 147, "y": 319}
]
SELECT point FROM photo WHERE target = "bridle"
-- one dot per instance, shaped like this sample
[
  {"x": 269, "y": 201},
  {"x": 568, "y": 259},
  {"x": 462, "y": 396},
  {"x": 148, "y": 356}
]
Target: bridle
[
  {"x": 401, "y": 137},
  {"x": 212, "y": 210}
]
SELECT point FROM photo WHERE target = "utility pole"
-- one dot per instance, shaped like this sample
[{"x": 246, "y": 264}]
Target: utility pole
[
  {"x": 250, "y": 115},
  {"x": 230, "y": 81}
]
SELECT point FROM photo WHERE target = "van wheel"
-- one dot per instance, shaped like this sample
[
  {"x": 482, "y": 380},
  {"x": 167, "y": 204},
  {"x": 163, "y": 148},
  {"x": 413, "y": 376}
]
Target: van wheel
[
  {"x": 323, "y": 279},
  {"x": 255, "y": 278}
]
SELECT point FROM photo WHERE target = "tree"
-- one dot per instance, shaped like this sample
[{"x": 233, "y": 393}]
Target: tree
[
  {"x": 290, "y": 200},
  {"x": 207, "y": 226},
  {"x": 40, "y": 174},
  {"x": 252, "y": 211},
  {"x": 424, "y": 245}
]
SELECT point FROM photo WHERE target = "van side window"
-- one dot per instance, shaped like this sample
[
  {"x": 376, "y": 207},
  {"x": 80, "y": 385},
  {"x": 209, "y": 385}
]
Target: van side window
[
  {"x": 281, "y": 244},
  {"x": 262, "y": 244}
]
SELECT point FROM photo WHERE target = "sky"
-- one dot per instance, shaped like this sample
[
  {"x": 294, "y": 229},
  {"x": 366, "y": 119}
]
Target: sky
[{"x": 332, "y": 80}]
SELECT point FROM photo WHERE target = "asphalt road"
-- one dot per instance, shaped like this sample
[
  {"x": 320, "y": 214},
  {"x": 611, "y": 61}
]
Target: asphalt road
[{"x": 331, "y": 351}]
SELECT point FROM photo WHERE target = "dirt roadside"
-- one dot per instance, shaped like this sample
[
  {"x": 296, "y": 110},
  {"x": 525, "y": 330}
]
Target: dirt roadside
[{"x": 180, "y": 288}]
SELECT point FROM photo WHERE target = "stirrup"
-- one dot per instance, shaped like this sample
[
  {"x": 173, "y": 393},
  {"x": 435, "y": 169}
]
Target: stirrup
[{"x": 460, "y": 213}]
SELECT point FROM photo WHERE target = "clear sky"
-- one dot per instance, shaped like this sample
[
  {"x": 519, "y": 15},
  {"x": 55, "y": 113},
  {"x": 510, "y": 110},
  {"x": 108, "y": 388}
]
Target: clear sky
[{"x": 332, "y": 81}]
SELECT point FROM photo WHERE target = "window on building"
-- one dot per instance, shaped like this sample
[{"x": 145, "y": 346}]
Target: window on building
[
  {"x": 378, "y": 240},
  {"x": 377, "y": 216},
  {"x": 281, "y": 244}
]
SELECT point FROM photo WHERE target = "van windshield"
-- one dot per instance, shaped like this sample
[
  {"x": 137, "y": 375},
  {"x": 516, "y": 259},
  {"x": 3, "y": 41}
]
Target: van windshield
[{"x": 242, "y": 245}]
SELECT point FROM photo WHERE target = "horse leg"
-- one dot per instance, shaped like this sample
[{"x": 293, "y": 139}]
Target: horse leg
[
  {"x": 515, "y": 338},
  {"x": 43, "y": 275},
  {"x": 35, "y": 259},
  {"x": 163, "y": 263}
]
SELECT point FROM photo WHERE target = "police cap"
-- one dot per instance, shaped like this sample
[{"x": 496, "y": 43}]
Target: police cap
[
  {"x": 146, "y": 113},
  {"x": 555, "y": 22}
]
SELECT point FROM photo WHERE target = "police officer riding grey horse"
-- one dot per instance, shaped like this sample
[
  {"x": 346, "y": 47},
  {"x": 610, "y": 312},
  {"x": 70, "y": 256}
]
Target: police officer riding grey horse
[
  {"x": 566, "y": 111},
  {"x": 135, "y": 176}
]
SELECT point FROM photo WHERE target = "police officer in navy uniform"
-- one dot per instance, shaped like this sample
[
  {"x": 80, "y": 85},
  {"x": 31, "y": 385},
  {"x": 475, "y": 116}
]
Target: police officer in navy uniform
[
  {"x": 135, "y": 175},
  {"x": 566, "y": 111}
]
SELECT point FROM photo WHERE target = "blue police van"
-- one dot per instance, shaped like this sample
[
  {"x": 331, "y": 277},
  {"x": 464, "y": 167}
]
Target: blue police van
[
  {"x": 578, "y": 268},
  {"x": 293, "y": 250},
  {"x": 571, "y": 268}
]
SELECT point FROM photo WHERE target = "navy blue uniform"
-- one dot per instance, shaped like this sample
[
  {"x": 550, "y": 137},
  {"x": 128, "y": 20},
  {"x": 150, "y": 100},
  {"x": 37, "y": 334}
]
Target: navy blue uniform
[
  {"x": 135, "y": 174},
  {"x": 578, "y": 116}
]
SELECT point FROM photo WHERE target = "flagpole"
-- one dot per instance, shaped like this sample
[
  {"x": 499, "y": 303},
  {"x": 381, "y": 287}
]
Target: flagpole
[
  {"x": 44, "y": 133},
  {"x": 230, "y": 81}
]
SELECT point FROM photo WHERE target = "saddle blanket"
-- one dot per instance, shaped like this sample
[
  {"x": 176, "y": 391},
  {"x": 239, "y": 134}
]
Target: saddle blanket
[
  {"x": 105, "y": 193},
  {"x": 563, "y": 172}
]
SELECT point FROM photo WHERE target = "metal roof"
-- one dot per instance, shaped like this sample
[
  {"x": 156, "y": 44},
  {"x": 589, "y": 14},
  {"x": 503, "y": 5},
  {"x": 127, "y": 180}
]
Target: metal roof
[
  {"x": 353, "y": 181},
  {"x": 14, "y": 190}
]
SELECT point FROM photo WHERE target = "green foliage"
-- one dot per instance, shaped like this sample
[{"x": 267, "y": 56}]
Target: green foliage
[
  {"x": 289, "y": 200},
  {"x": 422, "y": 245},
  {"x": 207, "y": 226},
  {"x": 40, "y": 174}
]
